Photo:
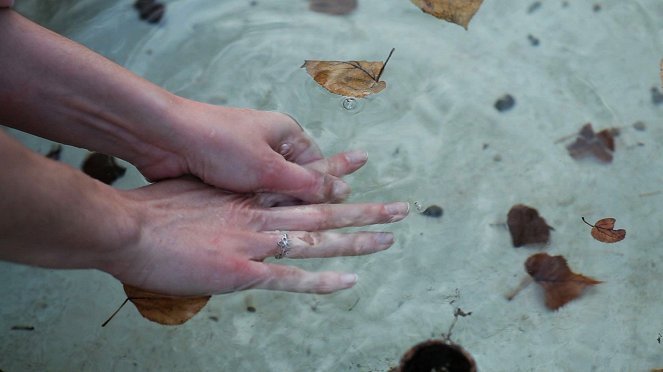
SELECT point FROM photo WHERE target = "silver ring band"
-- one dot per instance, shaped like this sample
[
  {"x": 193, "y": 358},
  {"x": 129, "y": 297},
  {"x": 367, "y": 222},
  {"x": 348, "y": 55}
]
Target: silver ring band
[{"x": 284, "y": 246}]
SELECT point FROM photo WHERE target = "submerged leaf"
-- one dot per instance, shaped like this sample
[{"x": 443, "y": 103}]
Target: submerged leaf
[
  {"x": 560, "y": 284},
  {"x": 334, "y": 7},
  {"x": 164, "y": 309},
  {"x": 526, "y": 226},
  {"x": 603, "y": 230},
  {"x": 601, "y": 144},
  {"x": 348, "y": 78},
  {"x": 459, "y": 12}
]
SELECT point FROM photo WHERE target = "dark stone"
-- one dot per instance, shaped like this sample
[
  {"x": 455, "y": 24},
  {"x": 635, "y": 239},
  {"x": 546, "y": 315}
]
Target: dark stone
[
  {"x": 103, "y": 168},
  {"x": 54, "y": 152},
  {"x": 433, "y": 211},
  {"x": 504, "y": 103},
  {"x": 534, "y": 7},
  {"x": 533, "y": 40},
  {"x": 251, "y": 309}
]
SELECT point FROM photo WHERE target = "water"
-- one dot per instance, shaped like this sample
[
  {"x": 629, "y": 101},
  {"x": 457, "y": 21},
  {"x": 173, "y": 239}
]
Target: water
[{"x": 434, "y": 137}]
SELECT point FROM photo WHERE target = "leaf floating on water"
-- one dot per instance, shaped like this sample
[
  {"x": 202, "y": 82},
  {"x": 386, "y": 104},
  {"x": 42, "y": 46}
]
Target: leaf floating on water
[
  {"x": 560, "y": 284},
  {"x": 459, "y": 12},
  {"x": 334, "y": 7},
  {"x": 164, "y": 309},
  {"x": 526, "y": 226},
  {"x": 103, "y": 168},
  {"x": 601, "y": 144},
  {"x": 603, "y": 230},
  {"x": 349, "y": 78}
]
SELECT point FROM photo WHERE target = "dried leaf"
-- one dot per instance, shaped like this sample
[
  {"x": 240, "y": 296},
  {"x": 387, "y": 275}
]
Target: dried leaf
[
  {"x": 103, "y": 168},
  {"x": 459, "y": 12},
  {"x": 601, "y": 144},
  {"x": 164, "y": 309},
  {"x": 560, "y": 284},
  {"x": 334, "y": 7},
  {"x": 526, "y": 226},
  {"x": 603, "y": 230},
  {"x": 350, "y": 78}
]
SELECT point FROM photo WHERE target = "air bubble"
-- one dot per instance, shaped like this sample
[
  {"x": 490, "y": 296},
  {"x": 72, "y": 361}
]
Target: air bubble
[{"x": 349, "y": 103}]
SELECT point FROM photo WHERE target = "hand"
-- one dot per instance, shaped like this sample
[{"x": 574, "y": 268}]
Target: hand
[
  {"x": 197, "y": 240},
  {"x": 244, "y": 150}
]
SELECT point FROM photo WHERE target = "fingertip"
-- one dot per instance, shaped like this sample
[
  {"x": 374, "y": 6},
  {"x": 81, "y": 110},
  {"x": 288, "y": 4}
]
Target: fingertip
[{"x": 339, "y": 191}]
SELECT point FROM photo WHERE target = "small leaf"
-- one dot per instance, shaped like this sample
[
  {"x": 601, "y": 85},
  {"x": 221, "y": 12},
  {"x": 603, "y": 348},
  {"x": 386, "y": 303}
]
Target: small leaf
[
  {"x": 349, "y": 78},
  {"x": 459, "y": 12},
  {"x": 603, "y": 230},
  {"x": 526, "y": 226},
  {"x": 164, "y": 309},
  {"x": 560, "y": 284},
  {"x": 601, "y": 144}
]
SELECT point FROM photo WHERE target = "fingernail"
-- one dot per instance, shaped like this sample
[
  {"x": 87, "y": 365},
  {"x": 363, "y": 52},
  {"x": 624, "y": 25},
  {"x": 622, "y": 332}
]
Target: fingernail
[
  {"x": 398, "y": 208},
  {"x": 357, "y": 157},
  {"x": 384, "y": 238},
  {"x": 340, "y": 190},
  {"x": 349, "y": 279}
]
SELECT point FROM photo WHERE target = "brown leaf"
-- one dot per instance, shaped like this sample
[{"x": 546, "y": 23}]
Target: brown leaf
[
  {"x": 459, "y": 12},
  {"x": 601, "y": 144},
  {"x": 164, "y": 309},
  {"x": 560, "y": 284},
  {"x": 350, "y": 78},
  {"x": 334, "y": 7},
  {"x": 603, "y": 230},
  {"x": 526, "y": 226}
]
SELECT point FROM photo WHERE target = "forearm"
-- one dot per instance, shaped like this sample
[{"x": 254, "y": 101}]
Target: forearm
[
  {"x": 55, "y": 216},
  {"x": 57, "y": 89}
]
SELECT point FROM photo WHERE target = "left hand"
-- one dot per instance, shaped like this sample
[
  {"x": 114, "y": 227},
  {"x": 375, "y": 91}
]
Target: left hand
[{"x": 243, "y": 150}]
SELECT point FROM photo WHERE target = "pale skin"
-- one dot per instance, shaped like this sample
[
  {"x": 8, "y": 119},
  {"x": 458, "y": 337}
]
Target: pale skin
[{"x": 178, "y": 236}]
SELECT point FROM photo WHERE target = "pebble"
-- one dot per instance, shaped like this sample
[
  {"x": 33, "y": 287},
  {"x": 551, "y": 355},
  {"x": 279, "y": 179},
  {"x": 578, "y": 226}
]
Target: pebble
[
  {"x": 433, "y": 211},
  {"x": 504, "y": 103},
  {"x": 150, "y": 10}
]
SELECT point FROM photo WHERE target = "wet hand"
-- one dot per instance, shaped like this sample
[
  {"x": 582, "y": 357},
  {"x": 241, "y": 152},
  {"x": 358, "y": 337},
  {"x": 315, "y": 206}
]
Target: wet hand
[
  {"x": 197, "y": 239},
  {"x": 245, "y": 150}
]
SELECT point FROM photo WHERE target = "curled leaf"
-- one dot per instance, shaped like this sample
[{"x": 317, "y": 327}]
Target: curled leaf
[
  {"x": 348, "y": 78},
  {"x": 560, "y": 284},
  {"x": 526, "y": 226},
  {"x": 459, "y": 12},
  {"x": 603, "y": 230},
  {"x": 164, "y": 309}
]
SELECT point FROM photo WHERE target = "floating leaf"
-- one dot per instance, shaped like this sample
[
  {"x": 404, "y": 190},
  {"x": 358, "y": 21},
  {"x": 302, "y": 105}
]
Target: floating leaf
[
  {"x": 164, "y": 309},
  {"x": 103, "y": 168},
  {"x": 603, "y": 230},
  {"x": 334, "y": 7},
  {"x": 459, "y": 12},
  {"x": 560, "y": 284},
  {"x": 350, "y": 78},
  {"x": 526, "y": 226},
  {"x": 601, "y": 144}
]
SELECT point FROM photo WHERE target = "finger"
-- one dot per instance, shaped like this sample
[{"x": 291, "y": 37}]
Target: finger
[
  {"x": 341, "y": 164},
  {"x": 295, "y": 145},
  {"x": 293, "y": 279},
  {"x": 297, "y": 181},
  {"x": 338, "y": 165},
  {"x": 303, "y": 244},
  {"x": 331, "y": 216}
]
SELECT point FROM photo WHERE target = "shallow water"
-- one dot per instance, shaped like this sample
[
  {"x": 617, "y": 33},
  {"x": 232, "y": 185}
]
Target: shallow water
[{"x": 434, "y": 137}]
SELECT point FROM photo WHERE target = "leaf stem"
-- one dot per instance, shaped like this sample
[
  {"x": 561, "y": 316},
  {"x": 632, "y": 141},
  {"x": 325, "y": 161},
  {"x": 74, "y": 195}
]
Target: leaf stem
[
  {"x": 377, "y": 79},
  {"x": 589, "y": 224}
]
